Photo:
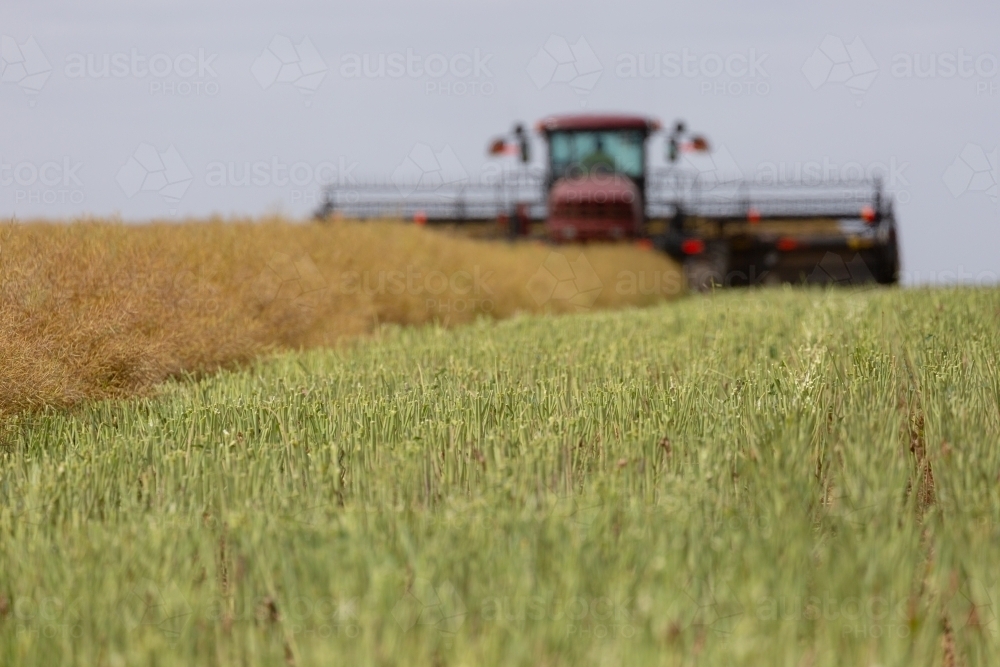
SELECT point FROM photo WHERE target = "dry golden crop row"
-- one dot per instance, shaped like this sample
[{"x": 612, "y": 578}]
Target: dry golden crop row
[{"x": 95, "y": 309}]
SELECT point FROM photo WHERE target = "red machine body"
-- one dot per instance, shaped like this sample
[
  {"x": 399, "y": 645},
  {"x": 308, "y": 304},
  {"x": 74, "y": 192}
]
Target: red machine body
[{"x": 596, "y": 176}]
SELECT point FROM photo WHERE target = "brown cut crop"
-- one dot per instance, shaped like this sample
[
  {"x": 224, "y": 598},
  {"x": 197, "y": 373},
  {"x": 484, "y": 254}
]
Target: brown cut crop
[{"x": 101, "y": 309}]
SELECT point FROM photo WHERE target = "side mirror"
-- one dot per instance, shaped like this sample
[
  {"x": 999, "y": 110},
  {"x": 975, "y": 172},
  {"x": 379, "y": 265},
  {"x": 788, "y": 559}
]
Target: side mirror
[
  {"x": 675, "y": 144},
  {"x": 699, "y": 144},
  {"x": 523, "y": 145},
  {"x": 518, "y": 146},
  {"x": 497, "y": 147}
]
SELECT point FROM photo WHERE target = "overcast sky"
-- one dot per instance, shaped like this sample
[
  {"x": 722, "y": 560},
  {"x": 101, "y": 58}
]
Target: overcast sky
[{"x": 154, "y": 109}]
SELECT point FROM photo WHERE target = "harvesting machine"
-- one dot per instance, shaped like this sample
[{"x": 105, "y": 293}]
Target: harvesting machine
[{"x": 597, "y": 186}]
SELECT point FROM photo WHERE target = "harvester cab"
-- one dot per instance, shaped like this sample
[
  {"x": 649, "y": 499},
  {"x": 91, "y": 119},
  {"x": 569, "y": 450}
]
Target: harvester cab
[{"x": 595, "y": 178}]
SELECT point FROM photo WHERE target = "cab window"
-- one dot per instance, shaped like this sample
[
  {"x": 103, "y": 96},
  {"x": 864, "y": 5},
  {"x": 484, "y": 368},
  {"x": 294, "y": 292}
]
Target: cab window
[{"x": 575, "y": 153}]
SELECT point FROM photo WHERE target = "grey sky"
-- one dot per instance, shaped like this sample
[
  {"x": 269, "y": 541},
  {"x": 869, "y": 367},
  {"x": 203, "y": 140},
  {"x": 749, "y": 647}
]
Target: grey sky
[{"x": 71, "y": 140}]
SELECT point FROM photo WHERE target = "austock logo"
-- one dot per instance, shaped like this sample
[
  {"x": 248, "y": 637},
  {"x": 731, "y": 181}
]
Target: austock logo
[
  {"x": 559, "y": 62},
  {"x": 184, "y": 74},
  {"x": 833, "y": 269},
  {"x": 439, "y": 608},
  {"x": 560, "y": 280},
  {"x": 305, "y": 180},
  {"x": 980, "y": 68},
  {"x": 444, "y": 294},
  {"x": 274, "y": 172},
  {"x": 582, "y": 617},
  {"x": 50, "y": 182},
  {"x": 732, "y": 74},
  {"x": 149, "y": 170},
  {"x": 712, "y": 271},
  {"x": 323, "y": 617},
  {"x": 45, "y": 618},
  {"x": 427, "y": 170},
  {"x": 283, "y": 61},
  {"x": 853, "y": 66},
  {"x": 149, "y": 605},
  {"x": 24, "y": 64},
  {"x": 295, "y": 281},
  {"x": 570, "y": 507},
  {"x": 713, "y": 607},
  {"x": 853, "y": 176},
  {"x": 835, "y": 62},
  {"x": 813, "y": 172},
  {"x": 668, "y": 282},
  {"x": 974, "y": 170},
  {"x": 969, "y": 604},
  {"x": 717, "y": 171},
  {"x": 944, "y": 65},
  {"x": 456, "y": 74}
]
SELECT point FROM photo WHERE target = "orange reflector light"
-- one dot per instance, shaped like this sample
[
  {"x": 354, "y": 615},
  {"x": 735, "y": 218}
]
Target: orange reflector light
[
  {"x": 867, "y": 213},
  {"x": 693, "y": 247},
  {"x": 753, "y": 215},
  {"x": 644, "y": 244},
  {"x": 786, "y": 244},
  {"x": 420, "y": 218}
]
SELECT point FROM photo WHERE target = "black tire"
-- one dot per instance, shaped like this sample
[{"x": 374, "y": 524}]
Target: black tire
[{"x": 708, "y": 270}]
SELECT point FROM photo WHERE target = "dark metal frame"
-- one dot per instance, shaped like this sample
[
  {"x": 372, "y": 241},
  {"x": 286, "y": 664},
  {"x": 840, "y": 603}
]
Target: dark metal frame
[{"x": 668, "y": 192}]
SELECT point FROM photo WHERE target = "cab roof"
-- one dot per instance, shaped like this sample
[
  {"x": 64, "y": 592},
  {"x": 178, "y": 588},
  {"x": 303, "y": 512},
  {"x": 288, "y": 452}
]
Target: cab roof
[{"x": 598, "y": 122}]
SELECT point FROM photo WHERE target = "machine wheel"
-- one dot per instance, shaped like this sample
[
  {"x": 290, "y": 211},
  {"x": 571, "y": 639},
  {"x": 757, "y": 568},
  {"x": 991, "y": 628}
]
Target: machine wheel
[
  {"x": 707, "y": 270},
  {"x": 888, "y": 270}
]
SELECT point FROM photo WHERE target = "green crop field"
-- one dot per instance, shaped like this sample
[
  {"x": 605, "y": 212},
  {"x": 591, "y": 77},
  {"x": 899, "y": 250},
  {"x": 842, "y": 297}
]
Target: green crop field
[{"x": 777, "y": 477}]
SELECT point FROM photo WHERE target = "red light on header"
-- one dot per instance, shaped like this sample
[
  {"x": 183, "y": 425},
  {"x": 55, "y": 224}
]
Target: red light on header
[
  {"x": 753, "y": 215},
  {"x": 868, "y": 214},
  {"x": 420, "y": 218},
  {"x": 787, "y": 244},
  {"x": 693, "y": 247}
]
